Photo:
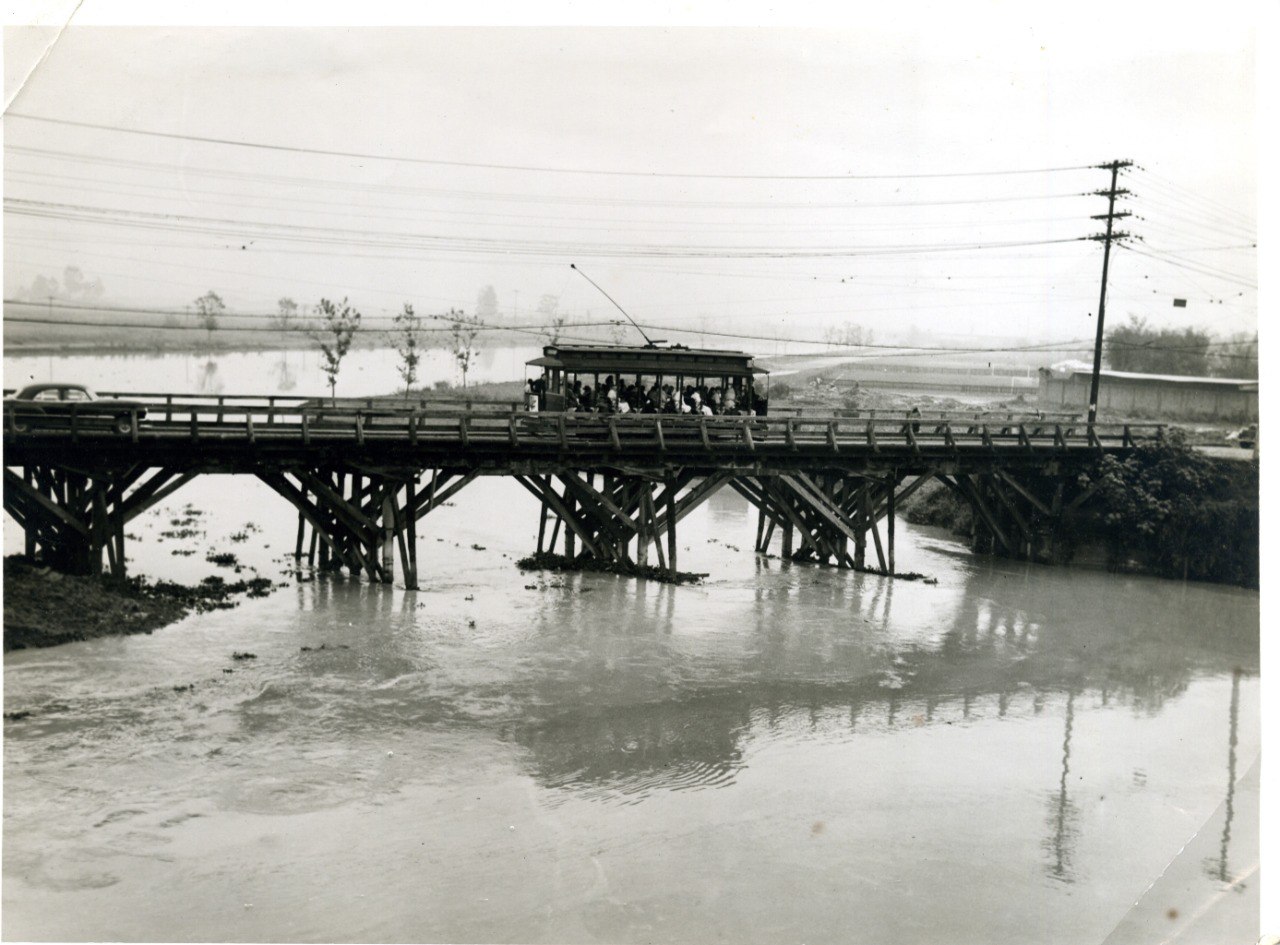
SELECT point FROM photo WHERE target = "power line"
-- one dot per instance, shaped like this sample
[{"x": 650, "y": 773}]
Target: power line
[
  {"x": 894, "y": 350},
  {"x": 610, "y": 201},
  {"x": 242, "y": 229},
  {"x": 292, "y": 149},
  {"x": 95, "y": 186},
  {"x": 1179, "y": 264}
]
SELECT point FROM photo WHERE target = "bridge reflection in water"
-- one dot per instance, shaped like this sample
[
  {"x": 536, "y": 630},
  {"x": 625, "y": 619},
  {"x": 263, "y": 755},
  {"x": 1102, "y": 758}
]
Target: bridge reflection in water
[{"x": 694, "y": 726}]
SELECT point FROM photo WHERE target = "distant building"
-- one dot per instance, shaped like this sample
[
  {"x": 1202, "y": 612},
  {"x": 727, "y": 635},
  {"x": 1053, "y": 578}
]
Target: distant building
[{"x": 1157, "y": 396}]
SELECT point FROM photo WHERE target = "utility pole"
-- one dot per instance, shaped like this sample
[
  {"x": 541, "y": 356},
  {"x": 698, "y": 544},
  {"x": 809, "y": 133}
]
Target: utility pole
[{"x": 1105, "y": 238}]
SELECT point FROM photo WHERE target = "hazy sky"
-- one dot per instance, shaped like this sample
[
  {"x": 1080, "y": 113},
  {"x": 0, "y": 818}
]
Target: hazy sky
[{"x": 734, "y": 245}]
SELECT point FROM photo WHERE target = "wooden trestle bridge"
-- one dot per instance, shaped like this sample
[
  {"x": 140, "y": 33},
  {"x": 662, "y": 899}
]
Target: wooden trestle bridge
[{"x": 361, "y": 475}]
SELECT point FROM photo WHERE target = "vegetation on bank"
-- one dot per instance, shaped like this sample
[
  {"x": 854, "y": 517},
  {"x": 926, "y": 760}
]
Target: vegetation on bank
[
  {"x": 1164, "y": 509},
  {"x": 1170, "y": 510}
]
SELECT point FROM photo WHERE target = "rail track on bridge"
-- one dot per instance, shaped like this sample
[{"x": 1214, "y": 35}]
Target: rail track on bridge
[{"x": 362, "y": 474}]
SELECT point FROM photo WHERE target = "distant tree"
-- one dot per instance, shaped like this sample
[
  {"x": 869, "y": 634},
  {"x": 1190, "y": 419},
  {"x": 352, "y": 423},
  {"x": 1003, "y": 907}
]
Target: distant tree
[
  {"x": 286, "y": 313},
  {"x": 407, "y": 344},
  {"x": 77, "y": 287},
  {"x": 486, "y": 303},
  {"x": 847, "y": 334},
  {"x": 548, "y": 314},
  {"x": 209, "y": 307},
  {"x": 463, "y": 334},
  {"x": 1137, "y": 347},
  {"x": 1237, "y": 356},
  {"x": 339, "y": 324}
]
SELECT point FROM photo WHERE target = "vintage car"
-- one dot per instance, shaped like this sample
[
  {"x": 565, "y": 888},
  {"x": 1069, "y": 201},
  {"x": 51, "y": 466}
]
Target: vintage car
[{"x": 52, "y": 406}]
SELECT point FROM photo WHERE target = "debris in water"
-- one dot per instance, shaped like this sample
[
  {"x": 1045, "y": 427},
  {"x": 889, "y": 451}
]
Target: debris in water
[
  {"x": 549, "y": 561},
  {"x": 244, "y": 656}
]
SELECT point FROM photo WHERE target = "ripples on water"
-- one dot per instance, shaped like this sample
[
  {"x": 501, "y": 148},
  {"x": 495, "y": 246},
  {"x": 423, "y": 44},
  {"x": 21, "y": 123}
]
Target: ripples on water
[{"x": 785, "y": 752}]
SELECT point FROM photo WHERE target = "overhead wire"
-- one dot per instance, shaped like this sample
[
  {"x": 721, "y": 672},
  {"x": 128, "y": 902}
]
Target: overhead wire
[{"x": 296, "y": 149}]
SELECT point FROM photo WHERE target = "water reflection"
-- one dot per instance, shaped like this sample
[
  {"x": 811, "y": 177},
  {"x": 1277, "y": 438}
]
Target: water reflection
[
  {"x": 652, "y": 716},
  {"x": 1064, "y": 814},
  {"x": 1219, "y": 870},
  {"x": 207, "y": 379},
  {"x": 286, "y": 377}
]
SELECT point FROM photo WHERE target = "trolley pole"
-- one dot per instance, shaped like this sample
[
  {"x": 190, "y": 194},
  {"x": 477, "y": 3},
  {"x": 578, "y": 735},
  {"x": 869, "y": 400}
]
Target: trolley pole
[{"x": 1105, "y": 238}]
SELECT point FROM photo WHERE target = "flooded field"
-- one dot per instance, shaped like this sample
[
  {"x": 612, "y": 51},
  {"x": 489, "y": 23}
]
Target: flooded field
[{"x": 784, "y": 753}]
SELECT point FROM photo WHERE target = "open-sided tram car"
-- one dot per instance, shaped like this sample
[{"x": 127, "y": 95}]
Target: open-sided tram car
[{"x": 591, "y": 365}]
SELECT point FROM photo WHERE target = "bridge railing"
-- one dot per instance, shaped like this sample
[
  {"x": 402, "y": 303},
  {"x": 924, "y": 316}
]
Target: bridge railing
[{"x": 305, "y": 421}]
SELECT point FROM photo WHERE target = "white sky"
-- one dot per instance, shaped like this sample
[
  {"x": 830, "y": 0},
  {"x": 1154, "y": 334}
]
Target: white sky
[{"x": 984, "y": 90}]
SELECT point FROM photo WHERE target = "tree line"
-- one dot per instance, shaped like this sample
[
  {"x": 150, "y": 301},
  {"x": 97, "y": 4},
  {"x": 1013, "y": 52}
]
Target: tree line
[
  {"x": 333, "y": 326},
  {"x": 1138, "y": 347}
]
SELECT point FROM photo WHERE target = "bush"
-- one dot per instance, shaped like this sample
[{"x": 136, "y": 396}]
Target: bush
[{"x": 1179, "y": 513}]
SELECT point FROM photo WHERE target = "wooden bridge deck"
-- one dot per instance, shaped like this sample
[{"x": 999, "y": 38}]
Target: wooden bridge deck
[
  {"x": 235, "y": 434},
  {"x": 77, "y": 473}
]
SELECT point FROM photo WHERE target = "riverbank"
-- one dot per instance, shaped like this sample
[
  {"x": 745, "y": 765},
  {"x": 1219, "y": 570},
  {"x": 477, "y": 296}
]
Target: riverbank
[
  {"x": 1169, "y": 511},
  {"x": 44, "y": 607}
]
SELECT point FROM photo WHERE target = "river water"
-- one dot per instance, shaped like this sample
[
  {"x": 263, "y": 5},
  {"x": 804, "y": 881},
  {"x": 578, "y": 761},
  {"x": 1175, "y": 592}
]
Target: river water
[{"x": 785, "y": 753}]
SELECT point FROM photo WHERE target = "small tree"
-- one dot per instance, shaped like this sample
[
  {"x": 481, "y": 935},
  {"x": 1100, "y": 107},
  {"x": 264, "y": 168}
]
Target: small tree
[
  {"x": 209, "y": 307},
  {"x": 408, "y": 327},
  {"x": 463, "y": 332},
  {"x": 287, "y": 312},
  {"x": 340, "y": 323}
]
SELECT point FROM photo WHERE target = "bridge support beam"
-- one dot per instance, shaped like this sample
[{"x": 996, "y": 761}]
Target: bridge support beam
[
  {"x": 363, "y": 519},
  {"x": 827, "y": 511},
  {"x": 620, "y": 515},
  {"x": 1016, "y": 516},
  {"x": 71, "y": 517}
]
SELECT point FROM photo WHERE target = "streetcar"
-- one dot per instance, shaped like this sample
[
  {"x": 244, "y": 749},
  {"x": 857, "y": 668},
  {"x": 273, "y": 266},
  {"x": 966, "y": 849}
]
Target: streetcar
[{"x": 580, "y": 378}]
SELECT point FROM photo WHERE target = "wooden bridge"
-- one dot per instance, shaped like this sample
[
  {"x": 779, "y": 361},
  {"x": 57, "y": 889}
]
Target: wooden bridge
[{"x": 362, "y": 474}]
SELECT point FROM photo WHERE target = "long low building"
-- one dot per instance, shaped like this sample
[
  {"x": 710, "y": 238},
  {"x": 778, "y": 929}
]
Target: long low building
[{"x": 1154, "y": 396}]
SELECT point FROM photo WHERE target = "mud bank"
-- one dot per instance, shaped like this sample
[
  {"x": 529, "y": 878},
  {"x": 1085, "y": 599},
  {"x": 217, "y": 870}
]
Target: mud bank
[{"x": 44, "y": 607}]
